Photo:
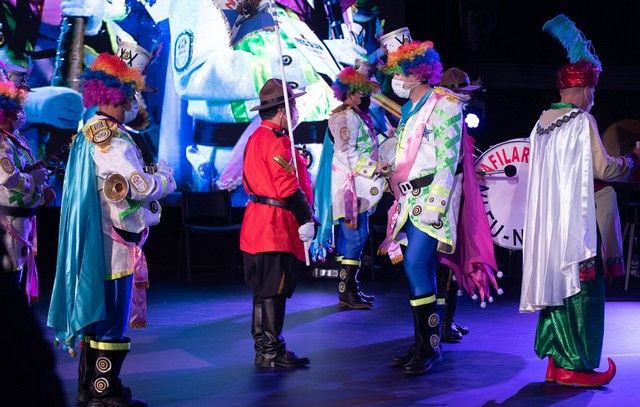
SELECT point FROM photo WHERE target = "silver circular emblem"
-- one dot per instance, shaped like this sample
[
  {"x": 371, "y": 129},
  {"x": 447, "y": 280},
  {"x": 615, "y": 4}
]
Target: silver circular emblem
[
  {"x": 433, "y": 320},
  {"x": 434, "y": 340},
  {"x": 101, "y": 384},
  {"x": 343, "y": 274},
  {"x": 342, "y": 287},
  {"x": 103, "y": 365}
]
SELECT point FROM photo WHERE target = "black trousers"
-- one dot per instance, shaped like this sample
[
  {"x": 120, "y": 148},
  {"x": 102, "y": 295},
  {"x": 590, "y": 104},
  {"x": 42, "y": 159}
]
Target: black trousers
[{"x": 271, "y": 273}]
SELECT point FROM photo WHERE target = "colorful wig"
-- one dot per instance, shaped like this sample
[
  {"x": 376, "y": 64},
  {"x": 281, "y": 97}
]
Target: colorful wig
[
  {"x": 12, "y": 99},
  {"x": 109, "y": 80},
  {"x": 584, "y": 67},
  {"x": 349, "y": 80},
  {"x": 415, "y": 58}
]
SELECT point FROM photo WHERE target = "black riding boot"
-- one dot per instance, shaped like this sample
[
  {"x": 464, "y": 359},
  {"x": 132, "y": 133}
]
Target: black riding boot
[
  {"x": 256, "y": 329},
  {"x": 452, "y": 298},
  {"x": 274, "y": 351},
  {"x": 348, "y": 295},
  {"x": 444, "y": 281},
  {"x": 427, "y": 336},
  {"x": 401, "y": 360},
  {"x": 107, "y": 389},
  {"x": 85, "y": 373}
]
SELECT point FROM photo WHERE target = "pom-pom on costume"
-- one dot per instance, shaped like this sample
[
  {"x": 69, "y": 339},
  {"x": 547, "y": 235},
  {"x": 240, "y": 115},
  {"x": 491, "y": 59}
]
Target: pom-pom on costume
[
  {"x": 110, "y": 199},
  {"x": 565, "y": 280},
  {"x": 472, "y": 265},
  {"x": 356, "y": 187},
  {"x": 426, "y": 189},
  {"x": 22, "y": 190}
]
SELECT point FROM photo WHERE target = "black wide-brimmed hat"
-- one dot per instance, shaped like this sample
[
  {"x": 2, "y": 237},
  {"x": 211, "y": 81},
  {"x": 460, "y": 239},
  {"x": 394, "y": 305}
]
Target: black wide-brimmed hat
[{"x": 271, "y": 94}]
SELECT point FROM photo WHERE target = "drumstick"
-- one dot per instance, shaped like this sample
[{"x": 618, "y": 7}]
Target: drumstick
[{"x": 510, "y": 171}]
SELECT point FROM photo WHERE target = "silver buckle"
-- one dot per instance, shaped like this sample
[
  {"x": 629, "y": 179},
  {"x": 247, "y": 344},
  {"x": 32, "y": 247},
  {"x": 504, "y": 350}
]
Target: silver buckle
[{"x": 405, "y": 187}]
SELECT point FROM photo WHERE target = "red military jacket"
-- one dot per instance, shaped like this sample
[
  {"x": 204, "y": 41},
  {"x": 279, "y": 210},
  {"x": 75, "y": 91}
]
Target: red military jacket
[{"x": 269, "y": 172}]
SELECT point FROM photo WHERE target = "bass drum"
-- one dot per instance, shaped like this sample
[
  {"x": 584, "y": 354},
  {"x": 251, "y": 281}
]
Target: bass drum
[{"x": 503, "y": 171}]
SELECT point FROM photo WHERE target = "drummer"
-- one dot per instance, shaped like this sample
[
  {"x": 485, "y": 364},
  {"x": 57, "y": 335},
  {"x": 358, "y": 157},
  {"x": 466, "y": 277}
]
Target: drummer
[
  {"x": 474, "y": 251},
  {"x": 357, "y": 180}
]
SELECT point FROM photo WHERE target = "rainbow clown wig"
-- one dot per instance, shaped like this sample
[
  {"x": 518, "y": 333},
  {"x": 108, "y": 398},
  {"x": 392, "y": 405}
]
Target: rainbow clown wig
[
  {"x": 109, "y": 80},
  {"x": 349, "y": 80},
  {"x": 12, "y": 99},
  {"x": 415, "y": 58}
]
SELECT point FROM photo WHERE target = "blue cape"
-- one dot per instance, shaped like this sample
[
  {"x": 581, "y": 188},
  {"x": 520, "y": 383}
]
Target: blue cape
[{"x": 77, "y": 299}]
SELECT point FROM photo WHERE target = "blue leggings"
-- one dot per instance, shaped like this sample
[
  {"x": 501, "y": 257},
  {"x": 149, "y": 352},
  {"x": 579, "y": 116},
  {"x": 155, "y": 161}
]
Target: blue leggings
[
  {"x": 117, "y": 300},
  {"x": 420, "y": 261},
  {"x": 351, "y": 241}
]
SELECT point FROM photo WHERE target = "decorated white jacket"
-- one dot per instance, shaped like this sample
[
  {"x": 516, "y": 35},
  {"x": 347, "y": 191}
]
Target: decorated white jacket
[
  {"x": 355, "y": 156},
  {"x": 17, "y": 187},
  {"x": 18, "y": 190},
  {"x": 434, "y": 208},
  {"x": 129, "y": 194}
]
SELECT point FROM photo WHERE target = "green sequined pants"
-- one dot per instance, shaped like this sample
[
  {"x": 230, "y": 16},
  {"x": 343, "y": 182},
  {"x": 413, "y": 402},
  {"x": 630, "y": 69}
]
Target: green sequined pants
[{"x": 572, "y": 333}]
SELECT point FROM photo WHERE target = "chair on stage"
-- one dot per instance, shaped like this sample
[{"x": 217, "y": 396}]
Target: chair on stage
[{"x": 207, "y": 214}]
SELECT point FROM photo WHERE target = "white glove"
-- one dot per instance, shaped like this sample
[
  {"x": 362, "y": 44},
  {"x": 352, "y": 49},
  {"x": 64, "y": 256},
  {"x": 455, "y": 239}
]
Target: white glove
[
  {"x": 39, "y": 176},
  {"x": 164, "y": 167},
  {"x": 171, "y": 182},
  {"x": 430, "y": 217},
  {"x": 54, "y": 105},
  {"x": 307, "y": 231},
  {"x": 92, "y": 9}
]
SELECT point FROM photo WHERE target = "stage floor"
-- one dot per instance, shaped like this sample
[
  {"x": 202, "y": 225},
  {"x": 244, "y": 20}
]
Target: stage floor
[{"x": 197, "y": 351}]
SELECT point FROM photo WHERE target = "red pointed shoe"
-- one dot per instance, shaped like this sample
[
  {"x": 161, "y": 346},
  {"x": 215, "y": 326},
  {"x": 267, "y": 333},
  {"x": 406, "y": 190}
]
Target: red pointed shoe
[
  {"x": 550, "y": 376},
  {"x": 588, "y": 378}
]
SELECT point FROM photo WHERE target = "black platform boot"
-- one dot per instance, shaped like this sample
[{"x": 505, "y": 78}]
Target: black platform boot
[
  {"x": 274, "y": 351},
  {"x": 106, "y": 388},
  {"x": 452, "y": 299},
  {"x": 449, "y": 333},
  {"x": 256, "y": 329},
  {"x": 348, "y": 295},
  {"x": 427, "y": 336},
  {"x": 401, "y": 360},
  {"x": 85, "y": 373}
]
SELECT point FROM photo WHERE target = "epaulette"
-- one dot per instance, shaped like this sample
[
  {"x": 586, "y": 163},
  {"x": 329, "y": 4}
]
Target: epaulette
[
  {"x": 450, "y": 95},
  {"x": 100, "y": 131}
]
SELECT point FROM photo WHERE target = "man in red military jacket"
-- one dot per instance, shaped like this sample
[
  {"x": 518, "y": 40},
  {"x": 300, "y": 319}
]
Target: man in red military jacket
[{"x": 277, "y": 221}]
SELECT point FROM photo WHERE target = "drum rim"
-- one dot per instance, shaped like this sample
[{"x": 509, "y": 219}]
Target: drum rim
[{"x": 525, "y": 139}]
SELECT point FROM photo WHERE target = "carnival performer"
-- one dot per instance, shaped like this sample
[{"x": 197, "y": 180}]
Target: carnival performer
[
  {"x": 23, "y": 188},
  {"x": 357, "y": 180},
  {"x": 425, "y": 187},
  {"x": 109, "y": 202},
  {"x": 474, "y": 247},
  {"x": 277, "y": 221},
  {"x": 564, "y": 280}
]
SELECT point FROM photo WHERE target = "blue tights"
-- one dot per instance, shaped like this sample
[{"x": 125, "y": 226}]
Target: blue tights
[
  {"x": 351, "y": 241},
  {"x": 117, "y": 299},
  {"x": 420, "y": 261}
]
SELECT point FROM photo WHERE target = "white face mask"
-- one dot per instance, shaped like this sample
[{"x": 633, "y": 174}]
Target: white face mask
[
  {"x": 130, "y": 115},
  {"x": 398, "y": 88}
]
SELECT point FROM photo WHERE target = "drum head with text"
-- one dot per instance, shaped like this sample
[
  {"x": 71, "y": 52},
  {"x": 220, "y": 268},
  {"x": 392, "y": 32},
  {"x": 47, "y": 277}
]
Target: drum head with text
[{"x": 503, "y": 171}]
